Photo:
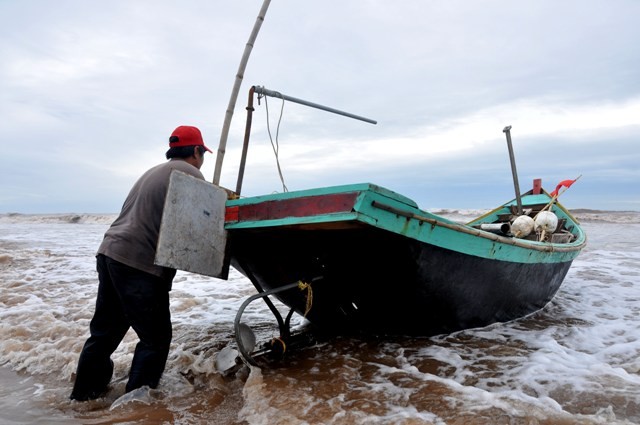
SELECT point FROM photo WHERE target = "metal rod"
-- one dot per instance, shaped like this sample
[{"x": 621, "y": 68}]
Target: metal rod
[
  {"x": 266, "y": 92},
  {"x": 267, "y": 301},
  {"x": 236, "y": 324},
  {"x": 507, "y": 131},
  {"x": 245, "y": 145},
  {"x": 284, "y": 326}
]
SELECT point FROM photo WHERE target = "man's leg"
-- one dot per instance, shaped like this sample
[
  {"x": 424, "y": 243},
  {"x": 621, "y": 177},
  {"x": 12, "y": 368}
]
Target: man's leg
[
  {"x": 145, "y": 300},
  {"x": 107, "y": 328}
]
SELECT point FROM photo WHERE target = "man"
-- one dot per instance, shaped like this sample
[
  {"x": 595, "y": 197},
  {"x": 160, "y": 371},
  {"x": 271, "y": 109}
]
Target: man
[{"x": 133, "y": 291}]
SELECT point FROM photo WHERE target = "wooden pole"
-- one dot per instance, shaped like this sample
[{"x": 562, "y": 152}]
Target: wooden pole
[{"x": 236, "y": 89}]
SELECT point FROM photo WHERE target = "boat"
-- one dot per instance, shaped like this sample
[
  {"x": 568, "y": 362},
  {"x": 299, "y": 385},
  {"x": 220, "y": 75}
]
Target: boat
[
  {"x": 378, "y": 264},
  {"x": 363, "y": 259}
]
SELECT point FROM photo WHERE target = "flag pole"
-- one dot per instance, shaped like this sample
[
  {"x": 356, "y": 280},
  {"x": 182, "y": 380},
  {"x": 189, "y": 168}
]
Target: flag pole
[
  {"x": 236, "y": 88},
  {"x": 557, "y": 195}
]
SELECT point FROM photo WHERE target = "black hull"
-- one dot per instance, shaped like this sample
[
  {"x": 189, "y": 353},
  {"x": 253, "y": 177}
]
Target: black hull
[{"x": 378, "y": 282}]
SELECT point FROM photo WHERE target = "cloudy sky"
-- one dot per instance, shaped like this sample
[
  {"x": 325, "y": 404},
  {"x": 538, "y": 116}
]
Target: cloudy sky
[{"x": 90, "y": 92}]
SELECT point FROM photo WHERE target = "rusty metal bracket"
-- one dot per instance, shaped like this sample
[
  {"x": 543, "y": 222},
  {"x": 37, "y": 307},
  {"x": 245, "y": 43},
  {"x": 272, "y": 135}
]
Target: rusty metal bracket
[{"x": 241, "y": 330}]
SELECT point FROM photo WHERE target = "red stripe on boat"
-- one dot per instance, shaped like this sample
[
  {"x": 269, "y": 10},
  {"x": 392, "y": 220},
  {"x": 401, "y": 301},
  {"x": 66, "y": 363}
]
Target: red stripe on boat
[
  {"x": 296, "y": 207},
  {"x": 231, "y": 214}
]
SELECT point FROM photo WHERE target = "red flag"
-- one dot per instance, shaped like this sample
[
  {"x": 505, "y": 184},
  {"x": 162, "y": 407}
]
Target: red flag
[{"x": 565, "y": 183}]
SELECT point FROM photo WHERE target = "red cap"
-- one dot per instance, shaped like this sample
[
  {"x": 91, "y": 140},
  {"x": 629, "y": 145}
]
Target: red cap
[{"x": 186, "y": 135}]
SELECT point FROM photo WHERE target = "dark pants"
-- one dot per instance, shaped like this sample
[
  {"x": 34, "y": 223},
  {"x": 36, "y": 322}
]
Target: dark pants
[{"x": 127, "y": 297}]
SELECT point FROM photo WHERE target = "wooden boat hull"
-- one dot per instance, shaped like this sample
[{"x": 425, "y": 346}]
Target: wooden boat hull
[
  {"x": 377, "y": 282},
  {"x": 388, "y": 270}
]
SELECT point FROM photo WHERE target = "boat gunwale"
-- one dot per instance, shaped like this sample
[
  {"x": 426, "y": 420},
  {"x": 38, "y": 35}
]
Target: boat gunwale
[
  {"x": 538, "y": 246},
  {"x": 406, "y": 211}
]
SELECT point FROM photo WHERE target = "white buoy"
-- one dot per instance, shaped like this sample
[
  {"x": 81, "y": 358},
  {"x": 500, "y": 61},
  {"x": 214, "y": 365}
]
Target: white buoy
[
  {"x": 522, "y": 226},
  {"x": 546, "y": 221}
]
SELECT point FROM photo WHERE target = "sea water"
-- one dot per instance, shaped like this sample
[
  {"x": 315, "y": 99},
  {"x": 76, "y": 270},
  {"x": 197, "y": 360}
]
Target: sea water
[{"x": 577, "y": 361}]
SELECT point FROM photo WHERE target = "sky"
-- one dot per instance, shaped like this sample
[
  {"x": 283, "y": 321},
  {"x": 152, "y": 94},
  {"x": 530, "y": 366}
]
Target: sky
[{"x": 91, "y": 91}]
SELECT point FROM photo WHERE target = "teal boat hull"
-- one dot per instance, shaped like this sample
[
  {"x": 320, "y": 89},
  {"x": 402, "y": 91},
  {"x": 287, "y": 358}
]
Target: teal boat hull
[{"x": 380, "y": 265}]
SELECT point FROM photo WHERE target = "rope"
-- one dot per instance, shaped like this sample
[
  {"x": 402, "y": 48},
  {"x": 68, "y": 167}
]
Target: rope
[
  {"x": 302, "y": 285},
  {"x": 276, "y": 146}
]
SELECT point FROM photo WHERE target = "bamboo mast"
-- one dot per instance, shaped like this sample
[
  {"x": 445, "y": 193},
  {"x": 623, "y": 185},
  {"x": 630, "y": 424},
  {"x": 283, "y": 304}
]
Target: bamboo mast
[{"x": 236, "y": 88}]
